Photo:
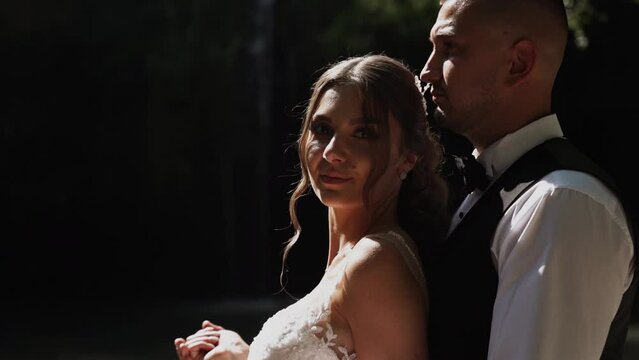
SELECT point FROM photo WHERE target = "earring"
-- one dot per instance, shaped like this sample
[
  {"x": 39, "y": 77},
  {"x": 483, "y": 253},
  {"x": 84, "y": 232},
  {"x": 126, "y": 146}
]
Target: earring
[{"x": 402, "y": 175}]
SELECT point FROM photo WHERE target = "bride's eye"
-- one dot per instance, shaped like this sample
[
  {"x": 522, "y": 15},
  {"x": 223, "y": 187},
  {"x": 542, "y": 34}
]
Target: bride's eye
[
  {"x": 321, "y": 129},
  {"x": 366, "y": 132}
]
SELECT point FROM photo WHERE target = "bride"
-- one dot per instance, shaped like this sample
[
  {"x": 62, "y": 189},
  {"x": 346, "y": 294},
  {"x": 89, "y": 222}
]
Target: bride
[{"x": 368, "y": 154}]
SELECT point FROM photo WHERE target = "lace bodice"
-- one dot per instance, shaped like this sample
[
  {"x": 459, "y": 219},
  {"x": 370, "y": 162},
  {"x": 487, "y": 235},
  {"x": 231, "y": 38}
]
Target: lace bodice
[
  {"x": 299, "y": 332},
  {"x": 303, "y": 330}
]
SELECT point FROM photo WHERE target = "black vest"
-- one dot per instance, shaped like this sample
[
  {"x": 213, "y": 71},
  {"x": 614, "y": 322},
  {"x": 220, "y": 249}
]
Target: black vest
[{"x": 462, "y": 280}]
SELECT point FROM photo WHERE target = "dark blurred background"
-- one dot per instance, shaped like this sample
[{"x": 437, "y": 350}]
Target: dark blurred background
[{"x": 146, "y": 155}]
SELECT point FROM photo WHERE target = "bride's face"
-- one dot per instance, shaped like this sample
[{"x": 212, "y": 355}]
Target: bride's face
[{"x": 341, "y": 152}]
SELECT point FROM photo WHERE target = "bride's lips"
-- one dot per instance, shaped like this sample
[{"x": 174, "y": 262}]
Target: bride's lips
[{"x": 334, "y": 179}]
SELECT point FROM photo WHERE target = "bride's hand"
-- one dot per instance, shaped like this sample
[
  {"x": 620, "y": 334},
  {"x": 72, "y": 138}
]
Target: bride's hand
[
  {"x": 230, "y": 346},
  {"x": 196, "y": 346}
]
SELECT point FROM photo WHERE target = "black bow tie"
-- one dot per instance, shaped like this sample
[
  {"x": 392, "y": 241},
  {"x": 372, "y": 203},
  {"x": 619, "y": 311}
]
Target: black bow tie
[{"x": 471, "y": 171}]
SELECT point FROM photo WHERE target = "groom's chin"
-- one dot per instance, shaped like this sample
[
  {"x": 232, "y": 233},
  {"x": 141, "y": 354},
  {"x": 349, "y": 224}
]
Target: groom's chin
[{"x": 438, "y": 118}]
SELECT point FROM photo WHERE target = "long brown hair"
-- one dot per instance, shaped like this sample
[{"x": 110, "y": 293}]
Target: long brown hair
[{"x": 387, "y": 86}]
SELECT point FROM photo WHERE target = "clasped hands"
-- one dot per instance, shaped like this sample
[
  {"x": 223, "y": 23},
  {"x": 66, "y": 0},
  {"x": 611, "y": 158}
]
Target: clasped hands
[{"x": 212, "y": 342}]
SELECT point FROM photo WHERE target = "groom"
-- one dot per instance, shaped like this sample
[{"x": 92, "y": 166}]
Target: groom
[{"x": 539, "y": 264}]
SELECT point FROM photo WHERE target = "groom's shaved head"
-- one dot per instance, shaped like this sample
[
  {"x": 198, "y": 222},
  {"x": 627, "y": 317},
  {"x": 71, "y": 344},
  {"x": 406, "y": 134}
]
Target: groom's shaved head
[{"x": 542, "y": 21}]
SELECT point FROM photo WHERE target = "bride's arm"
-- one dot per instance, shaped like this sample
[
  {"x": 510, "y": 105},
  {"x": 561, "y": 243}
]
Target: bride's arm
[{"x": 384, "y": 305}]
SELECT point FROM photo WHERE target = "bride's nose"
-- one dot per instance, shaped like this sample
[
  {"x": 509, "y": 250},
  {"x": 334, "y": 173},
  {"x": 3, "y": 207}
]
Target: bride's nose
[{"x": 335, "y": 151}]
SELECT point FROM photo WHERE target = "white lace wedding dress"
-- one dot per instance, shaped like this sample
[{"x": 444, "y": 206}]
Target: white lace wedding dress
[{"x": 303, "y": 330}]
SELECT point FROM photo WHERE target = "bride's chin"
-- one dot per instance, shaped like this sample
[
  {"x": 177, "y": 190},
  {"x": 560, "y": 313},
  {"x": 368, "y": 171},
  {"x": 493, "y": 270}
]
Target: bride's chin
[{"x": 337, "y": 202}]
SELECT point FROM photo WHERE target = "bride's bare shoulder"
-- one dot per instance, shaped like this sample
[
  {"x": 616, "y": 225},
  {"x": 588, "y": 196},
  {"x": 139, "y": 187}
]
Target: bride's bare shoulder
[
  {"x": 376, "y": 258},
  {"x": 382, "y": 297}
]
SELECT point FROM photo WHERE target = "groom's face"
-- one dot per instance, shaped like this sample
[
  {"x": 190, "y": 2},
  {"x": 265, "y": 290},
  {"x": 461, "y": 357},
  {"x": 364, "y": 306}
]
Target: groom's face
[{"x": 466, "y": 67}]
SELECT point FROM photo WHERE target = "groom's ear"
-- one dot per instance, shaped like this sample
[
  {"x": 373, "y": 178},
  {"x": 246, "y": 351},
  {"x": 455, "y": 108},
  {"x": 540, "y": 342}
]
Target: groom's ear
[{"x": 522, "y": 62}]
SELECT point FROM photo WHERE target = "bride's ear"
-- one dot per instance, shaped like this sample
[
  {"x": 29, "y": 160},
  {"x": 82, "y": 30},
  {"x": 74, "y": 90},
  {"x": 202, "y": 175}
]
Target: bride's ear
[{"x": 410, "y": 159}]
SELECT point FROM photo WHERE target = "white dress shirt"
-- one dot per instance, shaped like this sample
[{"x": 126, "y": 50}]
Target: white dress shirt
[{"x": 563, "y": 254}]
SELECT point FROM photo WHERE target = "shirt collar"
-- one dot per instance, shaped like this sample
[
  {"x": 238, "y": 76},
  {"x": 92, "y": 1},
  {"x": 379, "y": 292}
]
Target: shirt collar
[{"x": 502, "y": 153}]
